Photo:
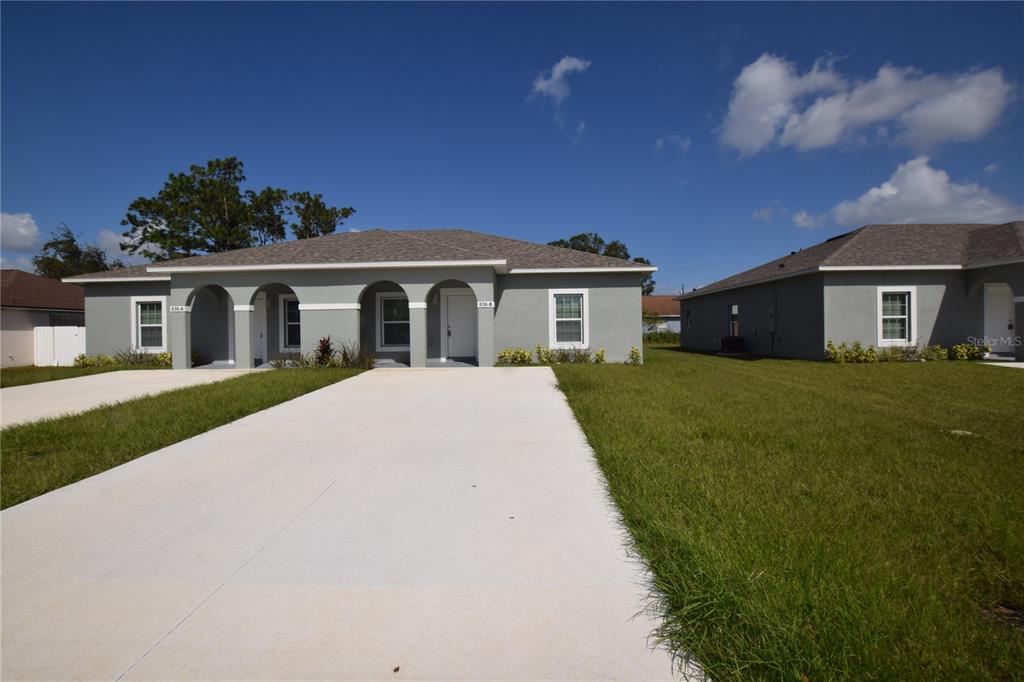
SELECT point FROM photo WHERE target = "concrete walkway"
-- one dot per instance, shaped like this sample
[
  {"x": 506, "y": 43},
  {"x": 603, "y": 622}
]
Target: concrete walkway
[
  {"x": 66, "y": 396},
  {"x": 400, "y": 525}
]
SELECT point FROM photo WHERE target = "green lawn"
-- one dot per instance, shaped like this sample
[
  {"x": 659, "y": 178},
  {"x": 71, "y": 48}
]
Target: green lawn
[
  {"x": 42, "y": 456},
  {"x": 820, "y": 520},
  {"x": 19, "y": 376}
]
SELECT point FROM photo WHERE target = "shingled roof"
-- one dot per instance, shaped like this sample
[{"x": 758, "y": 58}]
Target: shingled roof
[
  {"x": 24, "y": 290},
  {"x": 941, "y": 245},
  {"x": 385, "y": 246}
]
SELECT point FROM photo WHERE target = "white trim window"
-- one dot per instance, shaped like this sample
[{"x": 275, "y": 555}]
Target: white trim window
[
  {"x": 568, "y": 318},
  {"x": 290, "y": 317},
  {"x": 393, "y": 327},
  {"x": 897, "y": 316},
  {"x": 149, "y": 323}
]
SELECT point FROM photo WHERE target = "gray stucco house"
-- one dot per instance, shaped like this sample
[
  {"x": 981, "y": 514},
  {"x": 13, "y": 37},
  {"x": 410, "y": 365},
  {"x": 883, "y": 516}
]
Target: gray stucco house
[
  {"x": 410, "y": 297},
  {"x": 881, "y": 285}
]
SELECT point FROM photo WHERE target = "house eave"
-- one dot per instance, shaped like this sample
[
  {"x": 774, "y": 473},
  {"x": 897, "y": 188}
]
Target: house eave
[
  {"x": 100, "y": 280},
  {"x": 498, "y": 264},
  {"x": 554, "y": 271}
]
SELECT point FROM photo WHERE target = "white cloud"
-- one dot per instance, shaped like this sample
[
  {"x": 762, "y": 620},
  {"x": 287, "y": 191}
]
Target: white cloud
[
  {"x": 808, "y": 221},
  {"x": 917, "y": 192},
  {"x": 555, "y": 83},
  {"x": 771, "y": 103},
  {"x": 672, "y": 141},
  {"x": 18, "y": 232},
  {"x": 768, "y": 212},
  {"x": 992, "y": 169},
  {"x": 111, "y": 241}
]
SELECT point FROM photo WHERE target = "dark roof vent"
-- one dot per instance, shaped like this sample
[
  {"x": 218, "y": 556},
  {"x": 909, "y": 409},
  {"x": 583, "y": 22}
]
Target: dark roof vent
[{"x": 782, "y": 265}]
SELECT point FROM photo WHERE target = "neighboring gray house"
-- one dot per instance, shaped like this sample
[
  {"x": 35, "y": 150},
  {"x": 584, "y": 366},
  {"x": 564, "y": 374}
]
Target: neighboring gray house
[
  {"x": 881, "y": 285},
  {"x": 415, "y": 297}
]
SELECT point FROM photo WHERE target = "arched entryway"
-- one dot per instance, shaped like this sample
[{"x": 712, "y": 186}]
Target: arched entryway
[
  {"x": 452, "y": 324},
  {"x": 276, "y": 323},
  {"x": 384, "y": 324},
  {"x": 212, "y": 327}
]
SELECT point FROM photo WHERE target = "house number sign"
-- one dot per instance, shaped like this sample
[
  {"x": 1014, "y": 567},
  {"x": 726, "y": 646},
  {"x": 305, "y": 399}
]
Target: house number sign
[
  {"x": 485, "y": 304},
  {"x": 181, "y": 308}
]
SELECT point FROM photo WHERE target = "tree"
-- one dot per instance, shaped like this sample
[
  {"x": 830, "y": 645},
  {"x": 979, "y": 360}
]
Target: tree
[
  {"x": 62, "y": 256},
  {"x": 647, "y": 281},
  {"x": 315, "y": 217},
  {"x": 269, "y": 214},
  {"x": 592, "y": 242},
  {"x": 206, "y": 211}
]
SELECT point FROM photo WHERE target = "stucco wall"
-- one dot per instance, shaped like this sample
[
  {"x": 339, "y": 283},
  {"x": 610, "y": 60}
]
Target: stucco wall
[
  {"x": 108, "y": 314},
  {"x": 944, "y": 313},
  {"x": 782, "y": 318},
  {"x": 17, "y": 335},
  {"x": 522, "y": 316}
]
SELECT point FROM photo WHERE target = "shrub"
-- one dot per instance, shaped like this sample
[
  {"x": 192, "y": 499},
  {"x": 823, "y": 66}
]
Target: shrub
[
  {"x": 324, "y": 353},
  {"x": 352, "y": 355},
  {"x": 196, "y": 359},
  {"x": 935, "y": 352},
  {"x": 515, "y": 356},
  {"x": 635, "y": 358},
  {"x": 665, "y": 336},
  {"x": 600, "y": 356},
  {"x": 164, "y": 360},
  {"x": 970, "y": 351},
  {"x": 564, "y": 356},
  {"x": 544, "y": 355},
  {"x": 899, "y": 354}
]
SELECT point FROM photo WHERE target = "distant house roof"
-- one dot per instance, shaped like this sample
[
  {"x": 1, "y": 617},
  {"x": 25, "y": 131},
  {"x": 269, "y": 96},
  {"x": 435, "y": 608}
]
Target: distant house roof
[
  {"x": 891, "y": 247},
  {"x": 383, "y": 247},
  {"x": 24, "y": 290},
  {"x": 664, "y": 305}
]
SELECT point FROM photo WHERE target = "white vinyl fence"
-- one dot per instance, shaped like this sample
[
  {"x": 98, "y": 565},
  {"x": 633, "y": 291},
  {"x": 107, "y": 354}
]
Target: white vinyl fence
[{"x": 59, "y": 346}]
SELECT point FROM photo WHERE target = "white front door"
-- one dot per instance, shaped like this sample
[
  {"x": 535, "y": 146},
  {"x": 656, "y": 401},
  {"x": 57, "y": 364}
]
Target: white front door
[
  {"x": 460, "y": 322},
  {"x": 999, "y": 322},
  {"x": 259, "y": 328}
]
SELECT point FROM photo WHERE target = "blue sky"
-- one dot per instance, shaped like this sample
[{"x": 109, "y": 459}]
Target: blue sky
[{"x": 779, "y": 125}]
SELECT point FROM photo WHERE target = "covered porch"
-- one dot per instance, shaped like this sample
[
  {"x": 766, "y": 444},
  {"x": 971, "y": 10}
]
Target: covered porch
[{"x": 431, "y": 317}]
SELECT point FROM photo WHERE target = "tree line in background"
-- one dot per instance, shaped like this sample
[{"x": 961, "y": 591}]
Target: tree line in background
[
  {"x": 202, "y": 211},
  {"x": 591, "y": 242}
]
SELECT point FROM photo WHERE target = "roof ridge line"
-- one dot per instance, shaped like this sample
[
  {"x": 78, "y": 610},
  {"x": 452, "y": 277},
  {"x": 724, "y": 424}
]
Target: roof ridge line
[{"x": 853, "y": 235}]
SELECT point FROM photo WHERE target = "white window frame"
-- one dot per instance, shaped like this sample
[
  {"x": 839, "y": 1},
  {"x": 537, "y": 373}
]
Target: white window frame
[
  {"x": 282, "y": 339},
  {"x": 381, "y": 297},
  {"x": 553, "y": 328},
  {"x": 136, "y": 340},
  {"x": 911, "y": 291}
]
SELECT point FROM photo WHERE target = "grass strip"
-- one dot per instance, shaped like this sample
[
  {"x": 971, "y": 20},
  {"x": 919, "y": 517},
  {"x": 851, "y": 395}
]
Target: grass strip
[
  {"x": 817, "y": 521},
  {"x": 42, "y": 456},
  {"x": 22, "y": 376}
]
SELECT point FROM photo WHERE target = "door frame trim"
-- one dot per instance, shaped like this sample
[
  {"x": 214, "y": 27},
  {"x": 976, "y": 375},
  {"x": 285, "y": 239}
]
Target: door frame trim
[
  {"x": 985, "y": 287},
  {"x": 442, "y": 339}
]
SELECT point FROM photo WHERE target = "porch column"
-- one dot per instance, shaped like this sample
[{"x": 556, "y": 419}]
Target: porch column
[
  {"x": 485, "y": 334},
  {"x": 243, "y": 336},
  {"x": 1018, "y": 327},
  {"x": 417, "y": 334},
  {"x": 179, "y": 319}
]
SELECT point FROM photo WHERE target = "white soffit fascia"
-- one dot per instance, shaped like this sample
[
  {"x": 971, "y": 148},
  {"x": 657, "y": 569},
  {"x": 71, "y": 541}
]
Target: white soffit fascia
[
  {"x": 857, "y": 268},
  {"x": 334, "y": 266},
  {"x": 555, "y": 271},
  {"x": 99, "y": 280}
]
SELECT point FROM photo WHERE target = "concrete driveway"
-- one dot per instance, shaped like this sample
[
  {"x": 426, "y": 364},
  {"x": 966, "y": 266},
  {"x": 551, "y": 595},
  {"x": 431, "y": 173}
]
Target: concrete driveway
[
  {"x": 404, "y": 524},
  {"x": 20, "y": 404}
]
